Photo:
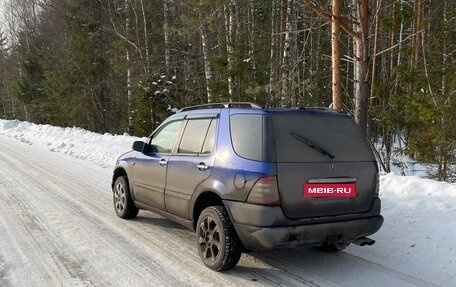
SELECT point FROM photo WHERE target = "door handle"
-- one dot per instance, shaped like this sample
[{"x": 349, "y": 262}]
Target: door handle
[
  {"x": 163, "y": 162},
  {"x": 202, "y": 166}
]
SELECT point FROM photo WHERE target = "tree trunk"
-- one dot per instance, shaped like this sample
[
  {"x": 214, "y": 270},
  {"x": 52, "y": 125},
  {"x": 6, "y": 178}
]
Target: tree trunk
[
  {"x": 166, "y": 5},
  {"x": 207, "y": 63},
  {"x": 417, "y": 45},
  {"x": 336, "y": 56},
  {"x": 251, "y": 28},
  {"x": 374, "y": 52},
  {"x": 272, "y": 53},
  {"x": 285, "y": 59},
  {"x": 362, "y": 85},
  {"x": 230, "y": 10},
  {"x": 362, "y": 63},
  {"x": 127, "y": 58},
  {"x": 146, "y": 45}
]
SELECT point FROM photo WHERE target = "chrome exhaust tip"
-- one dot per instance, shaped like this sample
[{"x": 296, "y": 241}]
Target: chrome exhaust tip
[{"x": 364, "y": 241}]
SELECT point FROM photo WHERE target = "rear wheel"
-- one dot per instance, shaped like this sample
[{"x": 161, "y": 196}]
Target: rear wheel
[
  {"x": 123, "y": 203},
  {"x": 218, "y": 244}
]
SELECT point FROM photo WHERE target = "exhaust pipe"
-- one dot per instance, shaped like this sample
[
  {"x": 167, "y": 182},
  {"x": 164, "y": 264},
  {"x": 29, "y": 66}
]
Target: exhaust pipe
[{"x": 363, "y": 241}]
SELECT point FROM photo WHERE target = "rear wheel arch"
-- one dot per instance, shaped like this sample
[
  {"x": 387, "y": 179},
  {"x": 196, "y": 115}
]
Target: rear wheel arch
[{"x": 204, "y": 200}]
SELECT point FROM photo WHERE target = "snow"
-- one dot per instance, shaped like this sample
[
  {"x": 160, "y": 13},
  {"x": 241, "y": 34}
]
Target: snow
[
  {"x": 95, "y": 148},
  {"x": 419, "y": 229},
  {"x": 420, "y": 214},
  {"x": 400, "y": 162}
]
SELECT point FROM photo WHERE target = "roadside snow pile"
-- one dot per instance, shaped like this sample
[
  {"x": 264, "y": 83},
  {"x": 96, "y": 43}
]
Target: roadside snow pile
[
  {"x": 418, "y": 234},
  {"x": 99, "y": 149}
]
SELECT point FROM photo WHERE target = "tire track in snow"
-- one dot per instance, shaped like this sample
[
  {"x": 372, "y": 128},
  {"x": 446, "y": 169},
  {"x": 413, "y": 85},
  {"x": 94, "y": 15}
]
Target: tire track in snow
[
  {"x": 33, "y": 236},
  {"x": 398, "y": 274},
  {"x": 58, "y": 220}
]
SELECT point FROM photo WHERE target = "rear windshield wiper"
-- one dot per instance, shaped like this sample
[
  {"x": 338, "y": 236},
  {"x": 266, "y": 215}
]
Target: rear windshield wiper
[{"x": 312, "y": 145}]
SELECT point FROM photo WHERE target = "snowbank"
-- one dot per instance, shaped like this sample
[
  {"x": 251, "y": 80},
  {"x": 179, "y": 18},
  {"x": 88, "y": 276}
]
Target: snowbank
[
  {"x": 418, "y": 234},
  {"x": 99, "y": 149}
]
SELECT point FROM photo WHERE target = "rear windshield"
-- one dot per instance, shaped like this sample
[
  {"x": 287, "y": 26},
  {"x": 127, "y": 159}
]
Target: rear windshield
[
  {"x": 298, "y": 138},
  {"x": 312, "y": 138}
]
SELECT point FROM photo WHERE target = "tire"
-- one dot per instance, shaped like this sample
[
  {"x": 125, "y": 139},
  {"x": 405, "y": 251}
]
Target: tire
[
  {"x": 218, "y": 244},
  {"x": 123, "y": 203}
]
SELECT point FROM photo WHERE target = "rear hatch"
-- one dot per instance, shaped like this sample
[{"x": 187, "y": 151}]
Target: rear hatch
[{"x": 317, "y": 151}]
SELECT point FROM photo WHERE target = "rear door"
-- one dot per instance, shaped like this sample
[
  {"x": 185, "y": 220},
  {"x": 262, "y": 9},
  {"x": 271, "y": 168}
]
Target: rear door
[
  {"x": 323, "y": 152},
  {"x": 191, "y": 163}
]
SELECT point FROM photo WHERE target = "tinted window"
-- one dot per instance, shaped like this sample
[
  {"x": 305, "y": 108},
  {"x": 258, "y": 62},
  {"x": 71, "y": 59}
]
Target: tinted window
[
  {"x": 194, "y": 135},
  {"x": 311, "y": 138},
  {"x": 165, "y": 137},
  {"x": 251, "y": 136},
  {"x": 210, "y": 139}
]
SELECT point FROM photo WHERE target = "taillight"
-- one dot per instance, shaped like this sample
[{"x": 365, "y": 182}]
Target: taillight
[{"x": 265, "y": 191}]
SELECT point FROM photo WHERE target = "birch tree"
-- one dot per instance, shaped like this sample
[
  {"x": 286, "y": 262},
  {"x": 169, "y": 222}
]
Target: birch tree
[
  {"x": 230, "y": 22},
  {"x": 284, "y": 100}
]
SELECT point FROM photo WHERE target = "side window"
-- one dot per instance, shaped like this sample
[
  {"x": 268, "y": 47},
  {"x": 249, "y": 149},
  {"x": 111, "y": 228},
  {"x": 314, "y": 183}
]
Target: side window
[
  {"x": 165, "y": 137},
  {"x": 210, "y": 138},
  {"x": 247, "y": 135},
  {"x": 194, "y": 136},
  {"x": 251, "y": 136}
]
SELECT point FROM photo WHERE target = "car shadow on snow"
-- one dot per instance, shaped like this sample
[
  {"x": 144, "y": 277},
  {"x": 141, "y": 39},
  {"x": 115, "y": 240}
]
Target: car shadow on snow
[{"x": 156, "y": 220}]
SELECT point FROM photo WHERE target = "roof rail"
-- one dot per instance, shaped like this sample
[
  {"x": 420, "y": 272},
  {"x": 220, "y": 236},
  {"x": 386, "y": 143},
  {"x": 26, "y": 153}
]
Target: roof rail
[{"x": 223, "y": 106}]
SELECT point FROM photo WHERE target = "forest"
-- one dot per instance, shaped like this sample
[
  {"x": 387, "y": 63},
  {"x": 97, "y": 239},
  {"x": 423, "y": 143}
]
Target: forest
[{"x": 123, "y": 66}]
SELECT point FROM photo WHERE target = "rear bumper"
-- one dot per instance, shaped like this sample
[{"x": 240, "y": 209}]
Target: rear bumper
[
  {"x": 263, "y": 238},
  {"x": 268, "y": 228}
]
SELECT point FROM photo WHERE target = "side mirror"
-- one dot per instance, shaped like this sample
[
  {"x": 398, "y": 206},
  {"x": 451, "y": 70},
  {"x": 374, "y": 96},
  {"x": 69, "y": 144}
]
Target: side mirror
[{"x": 141, "y": 146}]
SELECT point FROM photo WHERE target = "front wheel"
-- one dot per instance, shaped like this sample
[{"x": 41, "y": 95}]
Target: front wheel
[
  {"x": 218, "y": 244},
  {"x": 123, "y": 203}
]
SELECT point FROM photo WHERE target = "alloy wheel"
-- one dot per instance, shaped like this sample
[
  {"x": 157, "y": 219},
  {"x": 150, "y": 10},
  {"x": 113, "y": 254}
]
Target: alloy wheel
[
  {"x": 119, "y": 197},
  {"x": 209, "y": 238}
]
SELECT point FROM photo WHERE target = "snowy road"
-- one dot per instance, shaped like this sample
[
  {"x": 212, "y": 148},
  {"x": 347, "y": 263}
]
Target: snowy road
[{"x": 58, "y": 228}]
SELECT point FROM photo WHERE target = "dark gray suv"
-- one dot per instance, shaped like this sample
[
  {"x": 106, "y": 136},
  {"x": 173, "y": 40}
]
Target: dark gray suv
[{"x": 247, "y": 178}]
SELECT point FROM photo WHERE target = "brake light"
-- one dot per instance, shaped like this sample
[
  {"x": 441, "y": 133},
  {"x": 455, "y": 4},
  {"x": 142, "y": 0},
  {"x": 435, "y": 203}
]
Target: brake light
[{"x": 265, "y": 191}]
